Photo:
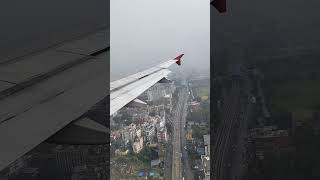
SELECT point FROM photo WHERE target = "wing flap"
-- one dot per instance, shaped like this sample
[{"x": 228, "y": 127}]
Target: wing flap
[{"x": 82, "y": 131}]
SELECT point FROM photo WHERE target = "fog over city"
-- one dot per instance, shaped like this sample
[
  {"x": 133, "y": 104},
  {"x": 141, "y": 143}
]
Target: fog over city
[
  {"x": 264, "y": 29},
  {"x": 147, "y": 32},
  {"x": 279, "y": 39}
]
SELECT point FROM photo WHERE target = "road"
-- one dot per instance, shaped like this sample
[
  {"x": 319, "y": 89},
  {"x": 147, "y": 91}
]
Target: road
[
  {"x": 167, "y": 161},
  {"x": 187, "y": 171},
  {"x": 178, "y": 117}
]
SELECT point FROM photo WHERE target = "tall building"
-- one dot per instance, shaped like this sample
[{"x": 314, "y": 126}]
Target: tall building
[
  {"x": 206, "y": 142},
  {"x": 162, "y": 135},
  {"x": 269, "y": 140},
  {"x": 69, "y": 157},
  {"x": 128, "y": 133},
  {"x": 137, "y": 144},
  {"x": 138, "y": 132},
  {"x": 149, "y": 132},
  {"x": 206, "y": 166}
]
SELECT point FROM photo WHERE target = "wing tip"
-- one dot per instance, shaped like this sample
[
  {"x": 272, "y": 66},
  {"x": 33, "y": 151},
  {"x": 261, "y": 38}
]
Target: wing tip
[
  {"x": 220, "y": 5},
  {"x": 178, "y": 59}
]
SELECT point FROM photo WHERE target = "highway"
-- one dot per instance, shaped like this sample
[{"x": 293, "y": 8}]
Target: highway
[
  {"x": 187, "y": 172},
  {"x": 167, "y": 160},
  {"x": 178, "y": 117}
]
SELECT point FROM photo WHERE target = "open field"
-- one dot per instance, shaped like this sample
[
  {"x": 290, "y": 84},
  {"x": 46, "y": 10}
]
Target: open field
[
  {"x": 299, "y": 97},
  {"x": 202, "y": 91},
  {"x": 201, "y": 88},
  {"x": 294, "y": 85}
]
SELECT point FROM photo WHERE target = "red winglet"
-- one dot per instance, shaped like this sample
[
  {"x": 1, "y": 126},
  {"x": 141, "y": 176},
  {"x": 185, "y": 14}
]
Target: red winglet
[
  {"x": 220, "y": 5},
  {"x": 178, "y": 59}
]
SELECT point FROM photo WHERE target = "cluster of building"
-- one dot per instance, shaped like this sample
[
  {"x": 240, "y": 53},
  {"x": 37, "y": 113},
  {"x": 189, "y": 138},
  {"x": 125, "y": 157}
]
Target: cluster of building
[
  {"x": 205, "y": 159},
  {"x": 201, "y": 147},
  {"x": 269, "y": 140},
  {"x": 272, "y": 140},
  {"x": 62, "y": 162},
  {"x": 148, "y": 123},
  {"x": 135, "y": 128},
  {"x": 146, "y": 131},
  {"x": 198, "y": 143},
  {"x": 269, "y": 135},
  {"x": 194, "y": 106}
]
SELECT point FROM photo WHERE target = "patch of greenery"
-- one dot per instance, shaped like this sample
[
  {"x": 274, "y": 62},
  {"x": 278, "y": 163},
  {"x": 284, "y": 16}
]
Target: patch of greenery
[
  {"x": 202, "y": 115},
  {"x": 138, "y": 161},
  {"x": 198, "y": 132},
  {"x": 293, "y": 85},
  {"x": 202, "y": 91}
]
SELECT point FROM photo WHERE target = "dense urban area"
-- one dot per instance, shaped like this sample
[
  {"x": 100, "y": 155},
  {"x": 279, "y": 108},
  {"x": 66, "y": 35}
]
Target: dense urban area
[
  {"x": 266, "y": 121},
  {"x": 265, "y": 89},
  {"x": 169, "y": 137}
]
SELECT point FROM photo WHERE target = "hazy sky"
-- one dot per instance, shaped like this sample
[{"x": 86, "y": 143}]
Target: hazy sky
[
  {"x": 253, "y": 29},
  {"x": 147, "y": 32}
]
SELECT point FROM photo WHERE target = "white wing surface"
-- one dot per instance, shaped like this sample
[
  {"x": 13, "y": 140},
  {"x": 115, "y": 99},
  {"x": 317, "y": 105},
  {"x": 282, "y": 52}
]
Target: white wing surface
[{"x": 127, "y": 89}]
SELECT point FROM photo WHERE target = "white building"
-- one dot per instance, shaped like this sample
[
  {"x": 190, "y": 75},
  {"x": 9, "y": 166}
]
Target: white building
[
  {"x": 138, "y": 132},
  {"x": 206, "y": 141},
  {"x": 149, "y": 132},
  {"x": 162, "y": 121},
  {"x": 137, "y": 145},
  {"x": 162, "y": 135},
  {"x": 206, "y": 166},
  {"x": 128, "y": 133}
]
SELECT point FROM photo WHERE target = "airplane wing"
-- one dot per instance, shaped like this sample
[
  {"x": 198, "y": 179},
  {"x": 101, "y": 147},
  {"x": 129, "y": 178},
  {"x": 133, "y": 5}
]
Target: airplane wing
[
  {"x": 127, "y": 89},
  {"x": 46, "y": 91}
]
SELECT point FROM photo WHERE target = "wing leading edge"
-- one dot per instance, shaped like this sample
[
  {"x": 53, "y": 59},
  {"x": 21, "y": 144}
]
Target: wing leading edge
[{"x": 127, "y": 89}]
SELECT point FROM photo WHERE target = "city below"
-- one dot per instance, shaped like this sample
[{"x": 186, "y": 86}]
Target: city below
[{"x": 167, "y": 138}]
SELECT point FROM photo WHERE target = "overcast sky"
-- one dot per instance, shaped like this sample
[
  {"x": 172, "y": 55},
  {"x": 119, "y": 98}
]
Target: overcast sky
[
  {"x": 253, "y": 29},
  {"x": 146, "y": 32}
]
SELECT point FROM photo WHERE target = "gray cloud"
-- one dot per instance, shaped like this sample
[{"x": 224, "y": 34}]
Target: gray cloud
[{"x": 146, "y": 32}]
